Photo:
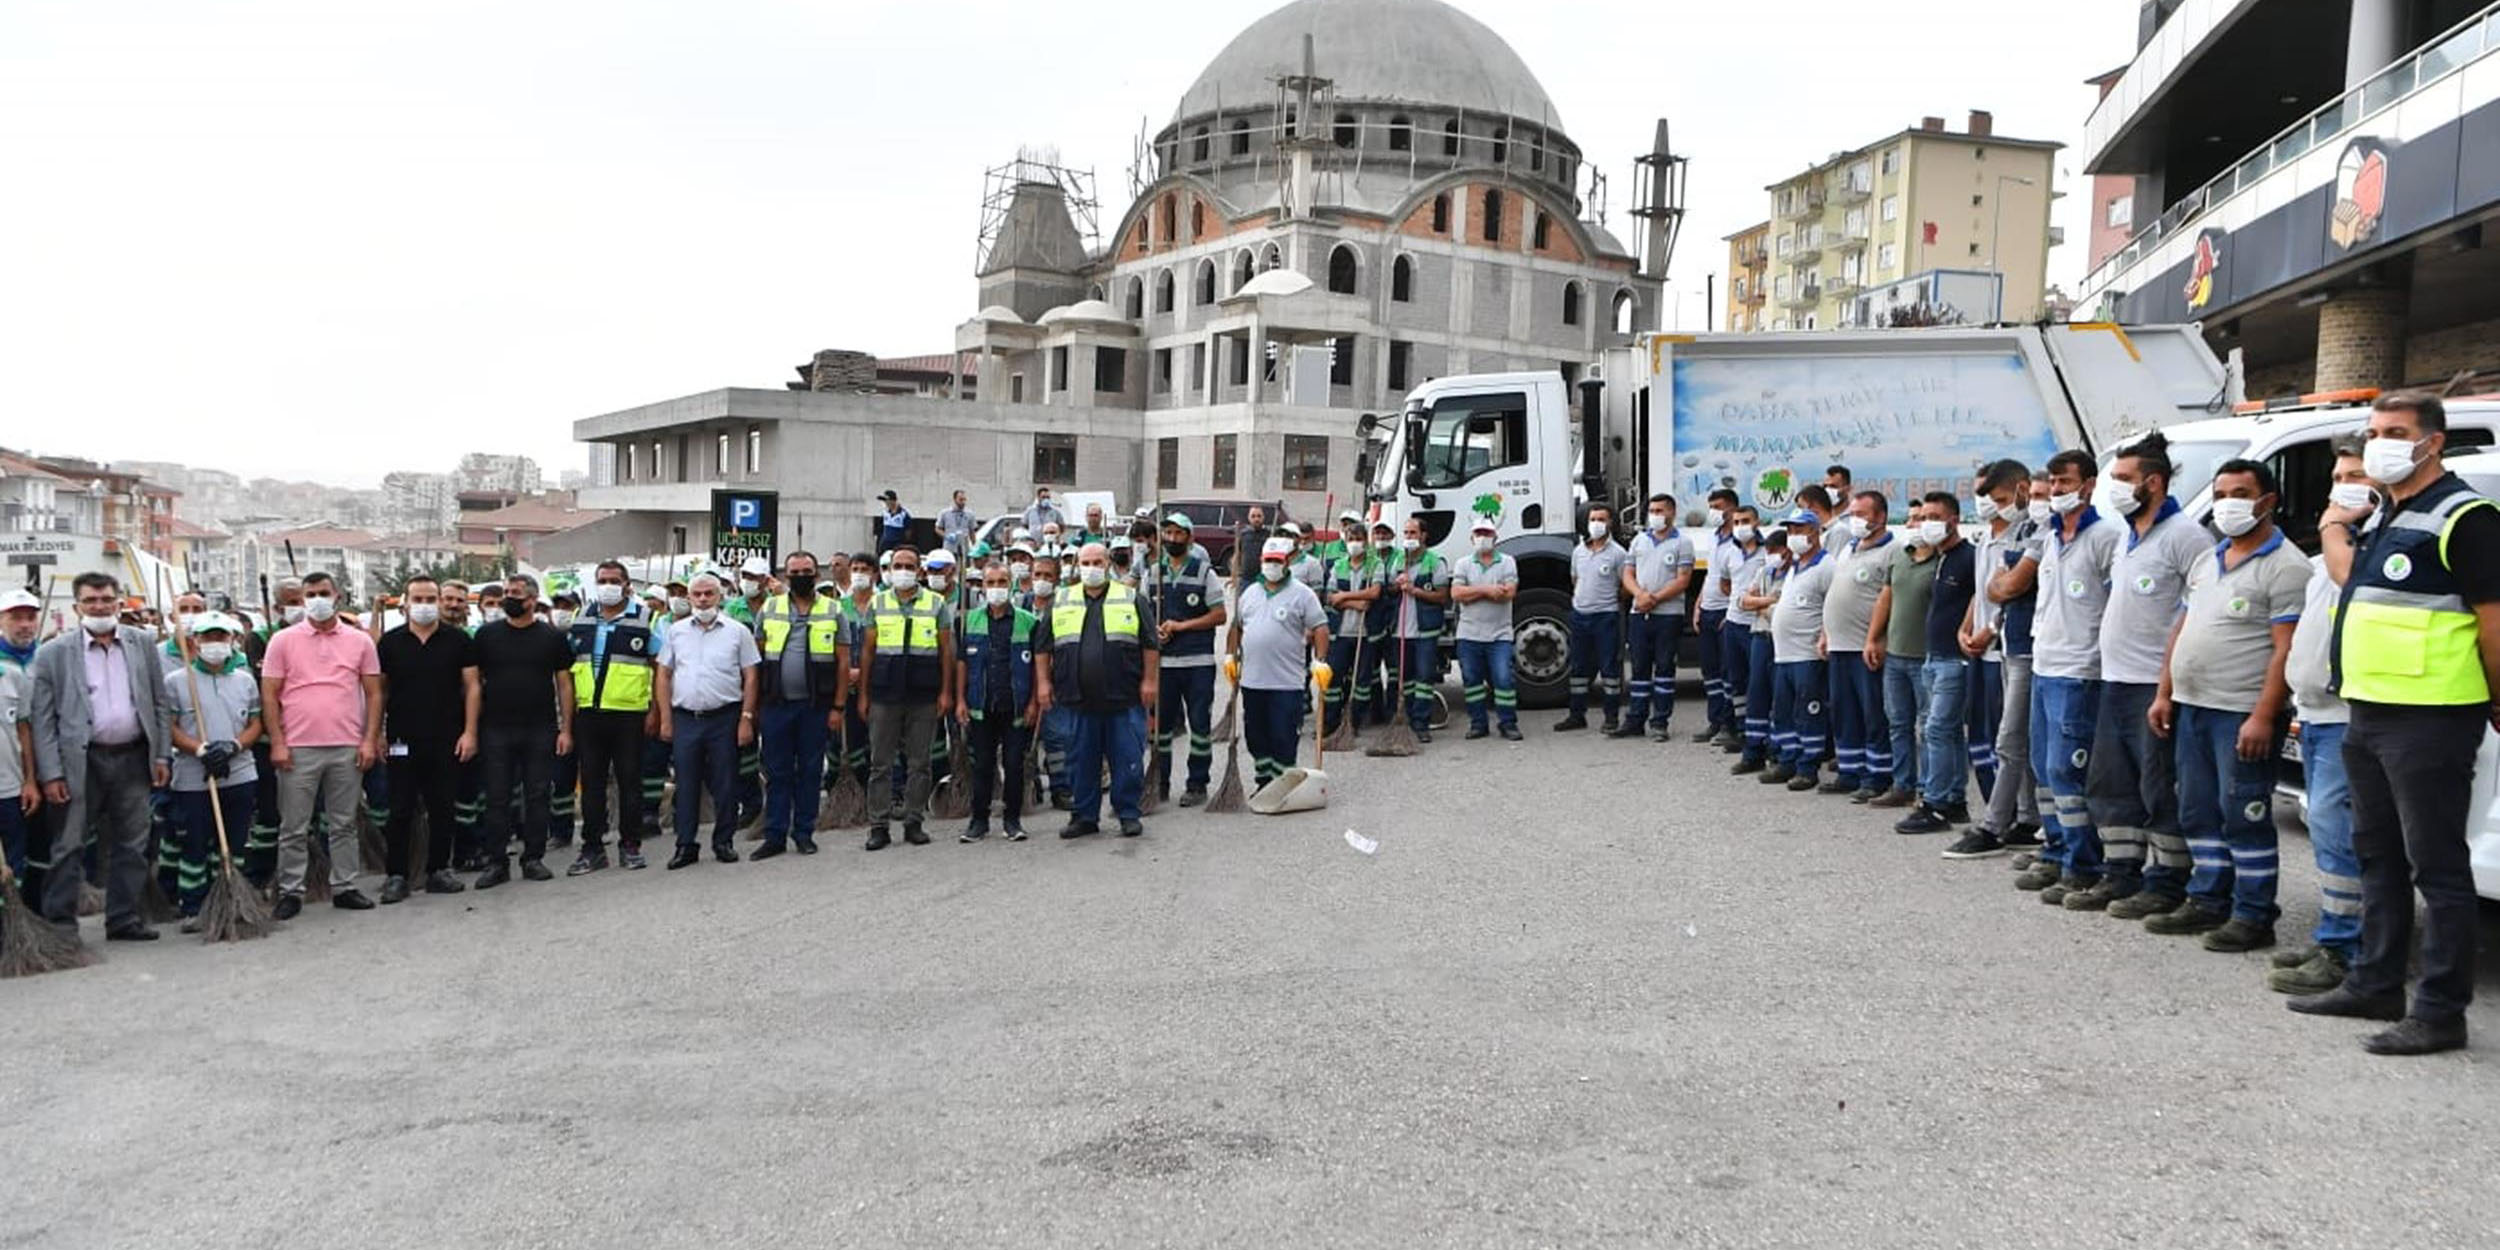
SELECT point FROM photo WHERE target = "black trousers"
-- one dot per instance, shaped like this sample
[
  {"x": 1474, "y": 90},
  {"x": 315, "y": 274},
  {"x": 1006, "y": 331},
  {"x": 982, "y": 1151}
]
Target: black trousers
[
  {"x": 609, "y": 746},
  {"x": 2412, "y": 775},
  {"x": 998, "y": 742},
  {"x": 525, "y": 758},
  {"x": 428, "y": 775}
]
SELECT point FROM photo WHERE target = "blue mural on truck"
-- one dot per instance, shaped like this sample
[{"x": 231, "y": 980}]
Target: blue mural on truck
[{"x": 1766, "y": 427}]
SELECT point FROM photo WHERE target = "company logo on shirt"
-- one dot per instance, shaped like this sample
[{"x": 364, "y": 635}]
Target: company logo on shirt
[
  {"x": 2256, "y": 810},
  {"x": 2144, "y": 583},
  {"x": 1863, "y": 574},
  {"x": 2074, "y": 588},
  {"x": 2238, "y": 606},
  {"x": 2398, "y": 567}
]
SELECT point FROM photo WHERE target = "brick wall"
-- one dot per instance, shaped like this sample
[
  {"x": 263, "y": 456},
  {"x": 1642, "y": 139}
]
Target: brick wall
[
  {"x": 2435, "y": 357},
  {"x": 2361, "y": 340}
]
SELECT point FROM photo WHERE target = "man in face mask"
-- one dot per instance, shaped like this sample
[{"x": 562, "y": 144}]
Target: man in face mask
[
  {"x": 1799, "y": 717},
  {"x": 1484, "y": 586},
  {"x": 521, "y": 660},
  {"x": 855, "y": 579},
  {"x": 616, "y": 653},
  {"x": 430, "y": 697},
  {"x": 102, "y": 739},
  {"x": 2417, "y": 656},
  {"x": 20, "y": 797},
  {"x": 1657, "y": 572},
  {"x": 2324, "y": 718},
  {"x": 1712, "y": 616},
  {"x": 1042, "y": 511},
  {"x": 1861, "y": 568},
  {"x": 1944, "y": 677},
  {"x": 908, "y": 654},
  {"x": 1354, "y": 586},
  {"x": 1596, "y": 637},
  {"x": 1740, "y": 571},
  {"x": 1997, "y": 633},
  {"x": 2222, "y": 699},
  {"x": 706, "y": 697},
  {"x": 2133, "y": 783},
  {"x": 2072, "y": 572},
  {"x": 994, "y": 699},
  {"x": 1190, "y": 607},
  {"x": 1897, "y": 645},
  {"x": 1102, "y": 665},
  {"x": 1419, "y": 589},
  {"x": 321, "y": 692},
  {"x": 215, "y": 718},
  {"x": 803, "y": 686},
  {"x": 1267, "y": 655},
  {"x": 754, "y": 587},
  {"x": 1058, "y": 723}
]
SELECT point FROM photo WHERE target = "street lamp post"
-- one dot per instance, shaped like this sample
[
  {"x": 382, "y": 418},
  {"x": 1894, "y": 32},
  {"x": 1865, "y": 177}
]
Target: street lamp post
[{"x": 1996, "y": 233}]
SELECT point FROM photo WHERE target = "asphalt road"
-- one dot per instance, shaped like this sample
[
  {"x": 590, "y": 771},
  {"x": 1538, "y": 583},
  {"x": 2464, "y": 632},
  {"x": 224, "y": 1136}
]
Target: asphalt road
[{"x": 1584, "y": 993}]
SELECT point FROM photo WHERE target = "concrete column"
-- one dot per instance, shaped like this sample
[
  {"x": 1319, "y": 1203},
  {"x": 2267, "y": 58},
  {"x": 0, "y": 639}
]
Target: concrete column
[
  {"x": 2361, "y": 339},
  {"x": 2375, "y": 38},
  {"x": 1258, "y": 361}
]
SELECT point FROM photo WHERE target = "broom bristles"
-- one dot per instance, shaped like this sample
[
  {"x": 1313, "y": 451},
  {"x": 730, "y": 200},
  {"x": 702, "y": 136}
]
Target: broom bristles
[
  {"x": 369, "y": 842},
  {"x": 1343, "y": 739},
  {"x": 30, "y": 945},
  {"x": 1397, "y": 740},
  {"x": 317, "y": 867},
  {"x": 154, "y": 905},
  {"x": 952, "y": 802},
  {"x": 90, "y": 899},
  {"x": 234, "y": 912},
  {"x": 1156, "y": 769},
  {"x": 1225, "y": 729},
  {"x": 1228, "y": 796}
]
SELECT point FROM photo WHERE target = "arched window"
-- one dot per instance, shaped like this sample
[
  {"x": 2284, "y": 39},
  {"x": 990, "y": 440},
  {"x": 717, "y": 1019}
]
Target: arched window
[
  {"x": 1627, "y": 310},
  {"x": 1244, "y": 268},
  {"x": 1544, "y": 230},
  {"x": 1492, "y": 216},
  {"x": 1094, "y": 292},
  {"x": 1163, "y": 291},
  {"x": 1571, "y": 303},
  {"x": 1274, "y": 258},
  {"x": 1197, "y": 219},
  {"x": 1401, "y": 133},
  {"x": 1341, "y": 270},
  {"x": 1348, "y": 132},
  {"x": 1402, "y": 280},
  {"x": 1240, "y": 133},
  {"x": 1501, "y": 144},
  {"x": 1198, "y": 144},
  {"x": 1136, "y": 298},
  {"x": 1449, "y": 137},
  {"x": 1167, "y": 219},
  {"x": 1206, "y": 282},
  {"x": 1441, "y": 213}
]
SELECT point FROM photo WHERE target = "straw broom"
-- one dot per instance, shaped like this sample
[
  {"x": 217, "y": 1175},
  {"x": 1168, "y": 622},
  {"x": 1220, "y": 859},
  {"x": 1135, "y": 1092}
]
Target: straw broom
[
  {"x": 1398, "y": 738},
  {"x": 1344, "y": 737},
  {"x": 29, "y": 944},
  {"x": 317, "y": 864},
  {"x": 951, "y": 801},
  {"x": 1158, "y": 774},
  {"x": 847, "y": 806},
  {"x": 1229, "y": 796}
]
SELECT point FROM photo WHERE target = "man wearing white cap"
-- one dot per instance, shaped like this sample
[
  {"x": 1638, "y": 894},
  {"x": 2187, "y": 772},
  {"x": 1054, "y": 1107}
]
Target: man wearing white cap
[
  {"x": 21, "y": 614},
  {"x": 1190, "y": 606},
  {"x": 1484, "y": 585},
  {"x": 1280, "y": 624},
  {"x": 212, "y": 751}
]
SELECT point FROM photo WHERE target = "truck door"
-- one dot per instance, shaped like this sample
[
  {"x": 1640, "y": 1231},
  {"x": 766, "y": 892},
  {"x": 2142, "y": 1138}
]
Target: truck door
[{"x": 1474, "y": 460}]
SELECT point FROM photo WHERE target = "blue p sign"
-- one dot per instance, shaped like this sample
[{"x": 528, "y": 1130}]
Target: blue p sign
[{"x": 745, "y": 514}]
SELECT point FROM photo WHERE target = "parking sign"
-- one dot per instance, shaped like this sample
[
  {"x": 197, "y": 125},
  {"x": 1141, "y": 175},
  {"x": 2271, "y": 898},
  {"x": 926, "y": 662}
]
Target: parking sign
[{"x": 745, "y": 524}]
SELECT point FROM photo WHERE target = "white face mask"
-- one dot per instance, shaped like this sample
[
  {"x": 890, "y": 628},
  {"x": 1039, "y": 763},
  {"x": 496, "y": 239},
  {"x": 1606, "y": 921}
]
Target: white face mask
[
  {"x": 680, "y": 605},
  {"x": 215, "y": 654},
  {"x": 561, "y": 618},
  {"x": 293, "y": 612},
  {"x": 1044, "y": 587},
  {"x": 937, "y": 581},
  {"x": 1051, "y": 537},
  {"x": 1597, "y": 528},
  {"x": 1658, "y": 520},
  {"x": 1272, "y": 571},
  {"x": 1798, "y": 543},
  {"x": 903, "y": 579},
  {"x": 2065, "y": 505},
  {"x": 751, "y": 585},
  {"x": 2351, "y": 495},
  {"x": 2390, "y": 460},
  {"x": 1857, "y": 526},
  {"x": 184, "y": 620},
  {"x": 2038, "y": 510},
  {"x": 2123, "y": 498},
  {"x": 1354, "y": 548},
  {"x": 1746, "y": 533},
  {"x": 1718, "y": 517},
  {"x": 320, "y": 607},
  {"x": 706, "y": 616},
  {"x": 859, "y": 580},
  {"x": 1931, "y": 533},
  {"x": 997, "y": 596},
  {"x": 1093, "y": 575},
  {"x": 491, "y": 613},
  {"x": 99, "y": 625},
  {"x": 424, "y": 613},
  {"x": 2235, "y": 517},
  {"x": 1409, "y": 544},
  {"x": 608, "y": 594},
  {"x": 1484, "y": 544},
  {"x": 1020, "y": 570},
  {"x": 1984, "y": 508}
]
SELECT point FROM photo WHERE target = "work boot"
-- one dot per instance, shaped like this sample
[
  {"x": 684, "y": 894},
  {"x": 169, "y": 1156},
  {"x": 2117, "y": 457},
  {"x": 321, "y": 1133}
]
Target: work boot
[
  {"x": 1612, "y": 727},
  {"x": 2068, "y": 885},
  {"x": 1659, "y": 733},
  {"x": 1510, "y": 733},
  {"x": 1574, "y": 721},
  {"x": 770, "y": 848},
  {"x": 2414, "y": 1036},
  {"x": 2038, "y": 877},
  {"x": 1194, "y": 796},
  {"x": 2238, "y": 936},
  {"x": 289, "y": 906},
  {"x": 1080, "y": 829},
  {"x": 685, "y": 856},
  {"x": 1709, "y": 733},
  {"x": 1733, "y": 744},
  {"x": 1776, "y": 775},
  {"x": 877, "y": 839},
  {"x": 2098, "y": 898},
  {"x": 1805, "y": 780},
  {"x": 2179, "y": 919},
  {"x": 1475, "y": 732},
  {"x": 591, "y": 860},
  {"x": 1132, "y": 828},
  {"x": 1837, "y": 786},
  {"x": 1893, "y": 798},
  {"x": 1865, "y": 796},
  {"x": 497, "y": 872},
  {"x": 2342, "y": 1001},
  {"x": 443, "y": 883},
  {"x": 394, "y": 890},
  {"x": 2145, "y": 903},
  {"x": 2318, "y": 974},
  {"x": 536, "y": 870},
  {"x": 2023, "y": 861},
  {"x": 1625, "y": 729},
  {"x": 1746, "y": 766},
  {"x": 2293, "y": 956},
  {"x": 914, "y": 834}
]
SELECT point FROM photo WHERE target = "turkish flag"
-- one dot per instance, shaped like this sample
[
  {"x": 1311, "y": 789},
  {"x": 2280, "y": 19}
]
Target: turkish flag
[{"x": 1927, "y": 233}]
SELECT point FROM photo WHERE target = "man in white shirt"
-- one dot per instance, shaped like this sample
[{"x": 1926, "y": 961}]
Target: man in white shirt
[
  {"x": 1596, "y": 634},
  {"x": 707, "y": 693},
  {"x": 1657, "y": 573},
  {"x": 1712, "y": 615}
]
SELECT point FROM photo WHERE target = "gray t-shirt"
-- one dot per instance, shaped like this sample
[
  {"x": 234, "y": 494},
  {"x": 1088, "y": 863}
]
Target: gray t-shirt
[
  {"x": 2147, "y": 584},
  {"x": 1275, "y": 626},
  {"x": 1597, "y": 577},
  {"x": 1859, "y": 576},
  {"x": 227, "y": 701},
  {"x": 1745, "y": 575},
  {"x": 1484, "y": 620},
  {"x": 1658, "y": 560},
  {"x": 1797, "y": 619},
  {"x": 14, "y": 685},
  {"x": 2074, "y": 588},
  {"x": 2226, "y": 643},
  {"x": 2310, "y": 667},
  {"x": 1725, "y": 555}
]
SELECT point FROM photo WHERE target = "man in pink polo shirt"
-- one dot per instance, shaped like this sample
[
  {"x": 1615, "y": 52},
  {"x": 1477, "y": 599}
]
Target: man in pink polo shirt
[{"x": 321, "y": 699}]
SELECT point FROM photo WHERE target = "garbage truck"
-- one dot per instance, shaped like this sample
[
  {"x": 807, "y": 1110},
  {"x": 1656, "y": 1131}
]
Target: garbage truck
[{"x": 1908, "y": 410}]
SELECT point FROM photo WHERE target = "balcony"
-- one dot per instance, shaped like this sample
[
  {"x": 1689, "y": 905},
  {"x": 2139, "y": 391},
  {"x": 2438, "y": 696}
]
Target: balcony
[
  {"x": 1806, "y": 295},
  {"x": 1846, "y": 239},
  {"x": 2445, "y": 79},
  {"x": 1802, "y": 204},
  {"x": 1843, "y": 286},
  {"x": 1852, "y": 190},
  {"x": 1806, "y": 251}
]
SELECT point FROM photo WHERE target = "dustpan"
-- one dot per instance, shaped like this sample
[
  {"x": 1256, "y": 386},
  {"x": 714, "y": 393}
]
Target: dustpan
[{"x": 1293, "y": 790}]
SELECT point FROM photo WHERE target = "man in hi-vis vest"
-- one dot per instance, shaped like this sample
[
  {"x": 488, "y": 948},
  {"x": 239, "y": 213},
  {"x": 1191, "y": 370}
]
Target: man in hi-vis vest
[
  {"x": 2417, "y": 656},
  {"x": 907, "y": 657},
  {"x": 1101, "y": 666}
]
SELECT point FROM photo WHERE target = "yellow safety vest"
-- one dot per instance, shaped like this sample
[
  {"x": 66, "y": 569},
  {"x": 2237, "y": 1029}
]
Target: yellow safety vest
[
  {"x": 907, "y": 646},
  {"x": 2404, "y": 633},
  {"x": 618, "y": 679},
  {"x": 1119, "y": 617}
]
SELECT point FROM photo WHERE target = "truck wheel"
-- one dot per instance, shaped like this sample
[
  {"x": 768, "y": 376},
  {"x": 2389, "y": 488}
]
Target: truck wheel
[{"x": 1541, "y": 647}]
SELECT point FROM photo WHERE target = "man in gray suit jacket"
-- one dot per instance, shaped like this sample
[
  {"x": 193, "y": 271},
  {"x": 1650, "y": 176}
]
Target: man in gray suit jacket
[{"x": 102, "y": 741}]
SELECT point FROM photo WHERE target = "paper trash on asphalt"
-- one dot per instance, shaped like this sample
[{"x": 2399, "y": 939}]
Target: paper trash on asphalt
[{"x": 1361, "y": 843}]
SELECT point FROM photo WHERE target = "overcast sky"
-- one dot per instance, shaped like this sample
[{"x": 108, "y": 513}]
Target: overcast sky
[{"x": 328, "y": 240}]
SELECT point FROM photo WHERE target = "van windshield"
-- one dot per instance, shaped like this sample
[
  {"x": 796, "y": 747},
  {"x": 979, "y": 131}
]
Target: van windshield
[{"x": 2192, "y": 465}]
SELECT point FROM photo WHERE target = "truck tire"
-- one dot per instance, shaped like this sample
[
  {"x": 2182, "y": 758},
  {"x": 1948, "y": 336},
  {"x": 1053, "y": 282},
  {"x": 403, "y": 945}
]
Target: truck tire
[{"x": 1541, "y": 647}]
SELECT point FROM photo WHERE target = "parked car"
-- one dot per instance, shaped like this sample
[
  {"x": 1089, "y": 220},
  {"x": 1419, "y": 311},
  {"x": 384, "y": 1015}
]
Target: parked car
[{"x": 1217, "y": 522}]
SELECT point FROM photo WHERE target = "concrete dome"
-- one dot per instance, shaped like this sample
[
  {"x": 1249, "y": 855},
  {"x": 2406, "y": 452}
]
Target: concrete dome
[{"x": 1419, "y": 52}]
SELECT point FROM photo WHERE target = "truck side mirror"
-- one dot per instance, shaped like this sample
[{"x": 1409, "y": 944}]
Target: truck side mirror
[{"x": 1415, "y": 439}]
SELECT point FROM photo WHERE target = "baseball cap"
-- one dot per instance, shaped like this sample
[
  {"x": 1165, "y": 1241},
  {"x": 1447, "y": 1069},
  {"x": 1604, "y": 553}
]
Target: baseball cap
[
  {"x": 214, "y": 622},
  {"x": 1182, "y": 520},
  {"x": 1120, "y": 542},
  {"x": 891, "y": 497},
  {"x": 1801, "y": 517},
  {"x": 19, "y": 597},
  {"x": 756, "y": 566},
  {"x": 1290, "y": 530},
  {"x": 939, "y": 559},
  {"x": 1485, "y": 525},
  {"x": 1280, "y": 547}
]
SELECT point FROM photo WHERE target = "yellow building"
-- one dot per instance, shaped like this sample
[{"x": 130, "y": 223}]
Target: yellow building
[
  {"x": 1749, "y": 279},
  {"x": 1884, "y": 224}
]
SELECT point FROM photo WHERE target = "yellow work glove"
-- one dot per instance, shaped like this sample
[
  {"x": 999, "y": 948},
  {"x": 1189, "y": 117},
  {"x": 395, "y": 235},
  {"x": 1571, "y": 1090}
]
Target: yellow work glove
[
  {"x": 1321, "y": 673},
  {"x": 1232, "y": 669}
]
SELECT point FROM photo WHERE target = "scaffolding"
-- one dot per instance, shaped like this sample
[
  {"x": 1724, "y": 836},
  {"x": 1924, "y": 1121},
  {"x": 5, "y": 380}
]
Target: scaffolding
[
  {"x": 1037, "y": 166},
  {"x": 1658, "y": 204}
]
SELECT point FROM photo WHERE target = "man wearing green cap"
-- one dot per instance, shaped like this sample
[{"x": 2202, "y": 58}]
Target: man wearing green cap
[{"x": 1189, "y": 604}]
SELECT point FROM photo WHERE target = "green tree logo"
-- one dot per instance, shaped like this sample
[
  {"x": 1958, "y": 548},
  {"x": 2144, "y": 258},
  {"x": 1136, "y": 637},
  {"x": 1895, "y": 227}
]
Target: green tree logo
[{"x": 1488, "y": 506}]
